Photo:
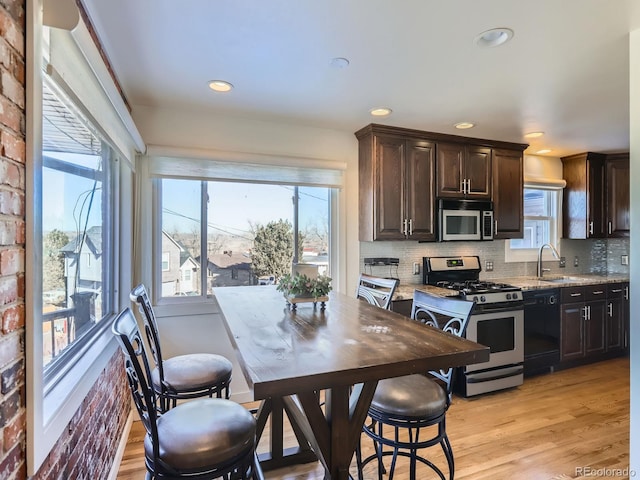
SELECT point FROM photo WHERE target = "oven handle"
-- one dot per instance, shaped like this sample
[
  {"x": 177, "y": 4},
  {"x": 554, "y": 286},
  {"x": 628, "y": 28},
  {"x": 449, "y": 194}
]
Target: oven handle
[{"x": 503, "y": 373}]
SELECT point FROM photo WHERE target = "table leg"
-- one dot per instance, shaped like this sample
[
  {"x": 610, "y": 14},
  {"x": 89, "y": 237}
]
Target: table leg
[
  {"x": 274, "y": 409},
  {"x": 334, "y": 435}
]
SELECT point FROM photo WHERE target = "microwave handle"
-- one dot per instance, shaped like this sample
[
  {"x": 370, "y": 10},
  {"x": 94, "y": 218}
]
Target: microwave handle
[{"x": 495, "y": 227}]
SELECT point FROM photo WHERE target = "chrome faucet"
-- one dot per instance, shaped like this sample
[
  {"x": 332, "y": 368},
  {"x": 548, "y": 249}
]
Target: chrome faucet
[{"x": 555, "y": 254}]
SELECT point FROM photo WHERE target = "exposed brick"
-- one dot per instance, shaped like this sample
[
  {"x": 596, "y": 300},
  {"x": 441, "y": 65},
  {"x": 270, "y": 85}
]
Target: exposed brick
[
  {"x": 12, "y": 31},
  {"x": 11, "y": 377},
  {"x": 10, "y": 114},
  {"x": 10, "y": 351},
  {"x": 12, "y": 88},
  {"x": 8, "y": 290},
  {"x": 11, "y": 203},
  {"x": 13, "y": 148},
  {"x": 12, "y": 319},
  {"x": 11, "y": 261},
  {"x": 9, "y": 171},
  {"x": 21, "y": 231},
  {"x": 15, "y": 8},
  {"x": 10, "y": 464},
  {"x": 12, "y": 433},
  {"x": 9, "y": 409}
]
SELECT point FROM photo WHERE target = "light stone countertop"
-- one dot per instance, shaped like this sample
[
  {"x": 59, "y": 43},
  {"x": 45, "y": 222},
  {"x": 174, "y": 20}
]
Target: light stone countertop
[{"x": 405, "y": 291}]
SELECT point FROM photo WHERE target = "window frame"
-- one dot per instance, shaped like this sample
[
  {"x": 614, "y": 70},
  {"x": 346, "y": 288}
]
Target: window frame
[
  {"x": 156, "y": 266},
  {"x": 555, "y": 234}
]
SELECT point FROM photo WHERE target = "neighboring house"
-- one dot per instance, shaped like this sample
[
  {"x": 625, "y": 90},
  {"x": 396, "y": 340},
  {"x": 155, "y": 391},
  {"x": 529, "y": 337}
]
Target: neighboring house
[
  {"x": 180, "y": 271},
  {"x": 82, "y": 265},
  {"x": 229, "y": 268}
]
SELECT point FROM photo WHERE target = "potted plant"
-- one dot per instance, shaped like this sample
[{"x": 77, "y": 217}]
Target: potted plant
[{"x": 299, "y": 288}]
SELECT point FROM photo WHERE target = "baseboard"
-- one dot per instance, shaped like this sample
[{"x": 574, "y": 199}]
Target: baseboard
[{"x": 122, "y": 445}]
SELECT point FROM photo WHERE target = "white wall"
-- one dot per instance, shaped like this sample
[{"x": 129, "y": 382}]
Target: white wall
[{"x": 634, "y": 107}]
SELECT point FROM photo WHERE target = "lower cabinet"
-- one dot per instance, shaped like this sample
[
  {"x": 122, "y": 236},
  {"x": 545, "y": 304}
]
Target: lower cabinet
[{"x": 592, "y": 321}]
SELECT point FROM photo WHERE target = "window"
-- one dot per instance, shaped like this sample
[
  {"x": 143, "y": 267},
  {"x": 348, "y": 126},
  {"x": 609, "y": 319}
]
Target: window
[
  {"x": 165, "y": 261},
  {"x": 77, "y": 222},
  {"x": 251, "y": 235},
  {"x": 541, "y": 225}
]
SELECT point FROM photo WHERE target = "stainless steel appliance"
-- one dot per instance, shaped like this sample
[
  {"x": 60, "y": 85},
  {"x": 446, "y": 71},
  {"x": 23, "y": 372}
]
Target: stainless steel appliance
[
  {"x": 465, "y": 220},
  {"x": 497, "y": 321}
]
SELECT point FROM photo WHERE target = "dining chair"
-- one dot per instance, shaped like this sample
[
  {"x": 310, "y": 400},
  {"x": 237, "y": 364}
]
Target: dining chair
[
  {"x": 203, "y": 439},
  {"x": 181, "y": 377},
  {"x": 410, "y": 404},
  {"x": 376, "y": 290}
]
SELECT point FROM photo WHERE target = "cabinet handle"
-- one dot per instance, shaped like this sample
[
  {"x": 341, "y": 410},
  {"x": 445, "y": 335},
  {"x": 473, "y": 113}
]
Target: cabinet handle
[
  {"x": 404, "y": 227},
  {"x": 576, "y": 294},
  {"x": 616, "y": 290},
  {"x": 584, "y": 313},
  {"x": 495, "y": 227},
  {"x": 410, "y": 226},
  {"x": 589, "y": 307},
  {"x": 597, "y": 292},
  {"x": 626, "y": 292},
  {"x": 468, "y": 185},
  {"x": 610, "y": 228},
  {"x": 590, "y": 228},
  {"x": 610, "y": 309},
  {"x": 463, "y": 186}
]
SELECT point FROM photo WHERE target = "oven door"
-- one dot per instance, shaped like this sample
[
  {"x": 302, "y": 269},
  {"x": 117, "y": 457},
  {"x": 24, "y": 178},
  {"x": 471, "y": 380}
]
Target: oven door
[
  {"x": 503, "y": 332},
  {"x": 460, "y": 225}
]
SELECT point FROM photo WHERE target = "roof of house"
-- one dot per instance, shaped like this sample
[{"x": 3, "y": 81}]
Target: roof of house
[
  {"x": 93, "y": 241},
  {"x": 230, "y": 259}
]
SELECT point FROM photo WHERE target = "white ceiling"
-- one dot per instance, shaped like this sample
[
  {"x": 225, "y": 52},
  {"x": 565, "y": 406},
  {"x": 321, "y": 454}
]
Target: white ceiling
[{"x": 565, "y": 72}]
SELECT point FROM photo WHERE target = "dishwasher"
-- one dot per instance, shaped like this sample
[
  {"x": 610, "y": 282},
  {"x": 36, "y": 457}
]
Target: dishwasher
[{"x": 541, "y": 330}]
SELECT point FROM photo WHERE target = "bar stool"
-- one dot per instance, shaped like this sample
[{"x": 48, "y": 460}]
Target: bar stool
[
  {"x": 376, "y": 290},
  {"x": 415, "y": 402},
  {"x": 186, "y": 376},
  {"x": 200, "y": 440}
]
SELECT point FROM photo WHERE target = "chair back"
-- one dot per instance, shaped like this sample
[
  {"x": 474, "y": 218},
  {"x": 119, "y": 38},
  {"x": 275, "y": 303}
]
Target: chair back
[
  {"x": 376, "y": 290},
  {"x": 136, "y": 364},
  {"x": 139, "y": 295},
  {"x": 445, "y": 313}
]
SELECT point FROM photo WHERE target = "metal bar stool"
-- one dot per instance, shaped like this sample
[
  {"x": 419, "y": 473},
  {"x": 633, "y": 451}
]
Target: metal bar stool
[
  {"x": 204, "y": 439},
  {"x": 376, "y": 290},
  {"x": 186, "y": 376},
  {"x": 415, "y": 402}
]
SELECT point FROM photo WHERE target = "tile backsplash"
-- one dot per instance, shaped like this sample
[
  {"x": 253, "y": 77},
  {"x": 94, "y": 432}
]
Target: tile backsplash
[{"x": 599, "y": 256}]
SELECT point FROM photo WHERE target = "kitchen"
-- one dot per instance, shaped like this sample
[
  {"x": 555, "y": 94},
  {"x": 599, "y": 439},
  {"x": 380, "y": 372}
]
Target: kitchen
[{"x": 180, "y": 132}]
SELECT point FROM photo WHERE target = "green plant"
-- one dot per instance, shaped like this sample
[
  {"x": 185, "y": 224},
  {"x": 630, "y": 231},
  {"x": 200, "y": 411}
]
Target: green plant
[{"x": 303, "y": 286}]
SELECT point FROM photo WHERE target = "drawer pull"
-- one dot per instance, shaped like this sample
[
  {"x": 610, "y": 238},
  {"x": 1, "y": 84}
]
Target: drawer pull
[
  {"x": 576, "y": 294},
  {"x": 616, "y": 290},
  {"x": 598, "y": 292}
]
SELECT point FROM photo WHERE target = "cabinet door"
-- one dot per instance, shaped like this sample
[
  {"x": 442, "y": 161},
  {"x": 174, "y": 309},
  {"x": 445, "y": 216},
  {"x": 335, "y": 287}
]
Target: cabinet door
[
  {"x": 450, "y": 169},
  {"x": 421, "y": 190},
  {"x": 597, "y": 225},
  {"x": 477, "y": 172},
  {"x": 571, "y": 331},
  {"x": 615, "y": 325},
  {"x": 595, "y": 322},
  {"x": 390, "y": 194},
  {"x": 507, "y": 180},
  {"x": 618, "y": 181}
]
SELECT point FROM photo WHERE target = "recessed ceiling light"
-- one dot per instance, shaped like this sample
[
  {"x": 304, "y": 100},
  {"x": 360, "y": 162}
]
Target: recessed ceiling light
[
  {"x": 339, "y": 62},
  {"x": 543, "y": 151},
  {"x": 220, "y": 86},
  {"x": 464, "y": 125},
  {"x": 380, "y": 112},
  {"x": 533, "y": 134},
  {"x": 494, "y": 37}
]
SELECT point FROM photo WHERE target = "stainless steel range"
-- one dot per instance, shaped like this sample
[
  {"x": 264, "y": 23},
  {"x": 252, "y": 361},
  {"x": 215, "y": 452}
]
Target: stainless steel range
[{"x": 497, "y": 321}]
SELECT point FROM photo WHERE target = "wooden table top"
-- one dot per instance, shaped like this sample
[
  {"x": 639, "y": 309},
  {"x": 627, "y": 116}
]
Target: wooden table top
[{"x": 284, "y": 351}]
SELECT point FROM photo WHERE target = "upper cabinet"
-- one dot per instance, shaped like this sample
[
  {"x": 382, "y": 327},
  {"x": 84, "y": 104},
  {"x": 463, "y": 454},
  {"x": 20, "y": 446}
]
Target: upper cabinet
[
  {"x": 402, "y": 172},
  {"x": 464, "y": 171},
  {"x": 507, "y": 193},
  {"x": 596, "y": 198},
  {"x": 396, "y": 177},
  {"x": 618, "y": 204}
]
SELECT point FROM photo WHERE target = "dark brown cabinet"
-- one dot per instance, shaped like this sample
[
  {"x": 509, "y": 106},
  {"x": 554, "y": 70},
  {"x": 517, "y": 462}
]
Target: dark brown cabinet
[
  {"x": 596, "y": 197},
  {"x": 617, "y": 314},
  {"x": 464, "y": 171},
  {"x": 396, "y": 188},
  {"x": 402, "y": 172},
  {"x": 618, "y": 203},
  {"x": 582, "y": 321},
  {"x": 507, "y": 177}
]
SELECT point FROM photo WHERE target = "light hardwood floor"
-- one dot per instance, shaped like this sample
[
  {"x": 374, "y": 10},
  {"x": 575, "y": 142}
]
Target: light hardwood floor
[{"x": 571, "y": 424}]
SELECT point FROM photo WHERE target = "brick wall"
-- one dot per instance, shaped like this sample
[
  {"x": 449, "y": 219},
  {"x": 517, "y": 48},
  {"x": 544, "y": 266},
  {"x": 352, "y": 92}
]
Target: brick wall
[{"x": 87, "y": 447}]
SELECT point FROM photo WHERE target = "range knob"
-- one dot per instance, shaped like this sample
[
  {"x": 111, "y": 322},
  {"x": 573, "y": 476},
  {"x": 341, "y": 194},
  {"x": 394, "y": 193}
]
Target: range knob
[
  {"x": 475, "y": 299},
  {"x": 483, "y": 298},
  {"x": 514, "y": 295}
]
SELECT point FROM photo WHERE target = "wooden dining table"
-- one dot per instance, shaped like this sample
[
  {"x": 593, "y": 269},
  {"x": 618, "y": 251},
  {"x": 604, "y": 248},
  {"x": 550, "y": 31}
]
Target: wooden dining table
[{"x": 289, "y": 356}]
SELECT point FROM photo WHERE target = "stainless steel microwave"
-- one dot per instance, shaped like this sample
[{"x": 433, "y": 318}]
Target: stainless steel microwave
[{"x": 465, "y": 220}]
